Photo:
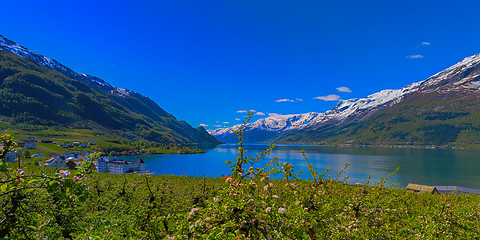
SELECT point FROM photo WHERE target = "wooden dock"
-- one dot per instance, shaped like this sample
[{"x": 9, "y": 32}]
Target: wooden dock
[{"x": 445, "y": 189}]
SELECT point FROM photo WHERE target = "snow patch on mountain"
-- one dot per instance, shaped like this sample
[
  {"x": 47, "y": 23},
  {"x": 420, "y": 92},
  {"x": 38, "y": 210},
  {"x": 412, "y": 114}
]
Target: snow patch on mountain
[{"x": 356, "y": 107}]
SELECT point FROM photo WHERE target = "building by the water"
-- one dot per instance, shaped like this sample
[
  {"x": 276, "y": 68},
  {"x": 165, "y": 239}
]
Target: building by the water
[{"x": 118, "y": 166}]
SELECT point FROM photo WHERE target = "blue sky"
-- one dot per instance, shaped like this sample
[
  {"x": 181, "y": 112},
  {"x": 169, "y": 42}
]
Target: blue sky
[{"x": 208, "y": 61}]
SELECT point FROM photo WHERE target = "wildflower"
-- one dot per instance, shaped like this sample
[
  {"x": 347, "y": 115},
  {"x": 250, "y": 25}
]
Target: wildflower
[
  {"x": 275, "y": 196},
  {"x": 265, "y": 188},
  {"x": 192, "y": 212},
  {"x": 64, "y": 173},
  {"x": 282, "y": 210},
  {"x": 20, "y": 171},
  {"x": 215, "y": 199},
  {"x": 154, "y": 217},
  {"x": 271, "y": 184},
  {"x": 268, "y": 209},
  {"x": 228, "y": 180},
  {"x": 75, "y": 178}
]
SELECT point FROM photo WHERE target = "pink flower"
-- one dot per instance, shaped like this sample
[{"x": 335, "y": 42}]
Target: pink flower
[
  {"x": 192, "y": 212},
  {"x": 154, "y": 217},
  {"x": 64, "y": 173},
  {"x": 75, "y": 178},
  {"x": 282, "y": 210},
  {"x": 268, "y": 209},
  {"x": 20, "y": 171}
]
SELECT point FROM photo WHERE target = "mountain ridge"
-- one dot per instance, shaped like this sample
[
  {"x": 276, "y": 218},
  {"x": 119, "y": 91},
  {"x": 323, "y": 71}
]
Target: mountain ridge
[
  {"x": 40, "y": 92},
  {"x": 461, "y": 77}
]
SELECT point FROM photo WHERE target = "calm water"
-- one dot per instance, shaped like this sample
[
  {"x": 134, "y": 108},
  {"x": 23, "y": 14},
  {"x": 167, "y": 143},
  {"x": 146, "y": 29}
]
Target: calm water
[{"x": 422, "y": 166}]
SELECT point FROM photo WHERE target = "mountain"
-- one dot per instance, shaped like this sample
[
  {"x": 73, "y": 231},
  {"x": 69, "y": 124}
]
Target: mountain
[
  {"x": 441, "y": 110},
  {"x": 38, "y": 92}
]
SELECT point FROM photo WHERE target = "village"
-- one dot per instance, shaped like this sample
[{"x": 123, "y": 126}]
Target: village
[{"x": 108, "y": 163}]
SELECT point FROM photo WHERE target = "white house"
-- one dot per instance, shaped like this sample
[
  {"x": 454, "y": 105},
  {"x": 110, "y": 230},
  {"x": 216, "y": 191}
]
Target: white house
[
  {"x": 38, "y": 155},
  {"x": 56, "y": 162},
  {"x": 118, "y": 166},
  {"x": 30, "y": 146},
  {"x": 10, "y": 157}
]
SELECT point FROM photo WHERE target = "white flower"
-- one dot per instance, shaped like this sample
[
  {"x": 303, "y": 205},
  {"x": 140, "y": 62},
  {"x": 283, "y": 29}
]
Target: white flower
[
  {"x": 215, "y": 199},
  {"x": 282, "y": 210},
  {"x": 64, "y": 173},
  {"x": 192, "y": 211},
  {"x": 268, "y": 209},
  {"x": 275, "y": 196}
]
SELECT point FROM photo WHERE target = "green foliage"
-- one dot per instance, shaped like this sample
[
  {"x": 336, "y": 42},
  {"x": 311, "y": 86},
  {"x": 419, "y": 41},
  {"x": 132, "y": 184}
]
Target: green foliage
[
  {"x": 46, "y": 203},
  {"x": 35, "y": 98}
]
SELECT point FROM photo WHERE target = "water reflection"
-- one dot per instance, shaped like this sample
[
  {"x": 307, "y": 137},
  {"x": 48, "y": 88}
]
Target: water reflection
[{"x": 423, "y": 166}]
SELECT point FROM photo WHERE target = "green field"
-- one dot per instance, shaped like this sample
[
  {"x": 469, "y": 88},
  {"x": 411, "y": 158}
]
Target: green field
[
  {"x": 163, "y": 207},
  {"x": 103, "y": 143}
]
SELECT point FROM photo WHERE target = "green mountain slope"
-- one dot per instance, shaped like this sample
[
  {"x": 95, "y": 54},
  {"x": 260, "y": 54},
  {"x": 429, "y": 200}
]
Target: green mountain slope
[
  {"x": 443, "y": 110},
  {"x": 34, "y": 97}
]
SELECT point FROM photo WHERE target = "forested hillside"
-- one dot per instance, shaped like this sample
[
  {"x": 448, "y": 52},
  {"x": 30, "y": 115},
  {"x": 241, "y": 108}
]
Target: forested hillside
[{"x": 34, "y": 97}]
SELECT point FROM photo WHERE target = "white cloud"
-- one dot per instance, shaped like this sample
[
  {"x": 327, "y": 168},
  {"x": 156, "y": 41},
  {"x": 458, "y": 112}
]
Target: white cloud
[
  {"x": 425, "y": 43},
  {"x": 242, "y": 111},
  {"x": 285, "y": 100},
  {"x": 226, "y": 122},
  {"x": 344, "y": 89},
  {"x": 260, "y": 113},
  {"x": 273, "y": 114},
  {"x": 415, "y": 56},
  {"x": 331, "y": 97},
  {"x": 203, "y": 125},
  {"x": 299, "y": 99},
  {"x": 237, "y": 119},
  {"x": 253, "y": 111},
  {"x": 217, "y": 126}
]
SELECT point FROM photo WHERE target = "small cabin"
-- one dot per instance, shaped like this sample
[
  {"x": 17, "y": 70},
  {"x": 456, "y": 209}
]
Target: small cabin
[{"x": 412, "y": 187}]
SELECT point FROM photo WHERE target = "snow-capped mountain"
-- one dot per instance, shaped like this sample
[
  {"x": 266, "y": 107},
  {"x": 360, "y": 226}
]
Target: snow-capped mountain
[
  {"x": 459, "y": 77},
  {"x": 11, "y": 46}
]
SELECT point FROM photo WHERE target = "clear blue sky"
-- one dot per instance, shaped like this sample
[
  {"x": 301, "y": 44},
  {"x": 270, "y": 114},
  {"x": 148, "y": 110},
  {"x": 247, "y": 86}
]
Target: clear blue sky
[{"x": 205, "y": 60}]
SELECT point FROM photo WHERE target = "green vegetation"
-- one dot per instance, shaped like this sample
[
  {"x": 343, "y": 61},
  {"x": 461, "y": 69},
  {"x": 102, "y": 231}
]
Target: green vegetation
[
  {"x": 102, "y": 143},
  {"x": 34, "y": 98},
  {"x": 47, "y": 203},
  {"x": 423, "y": 120}
]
